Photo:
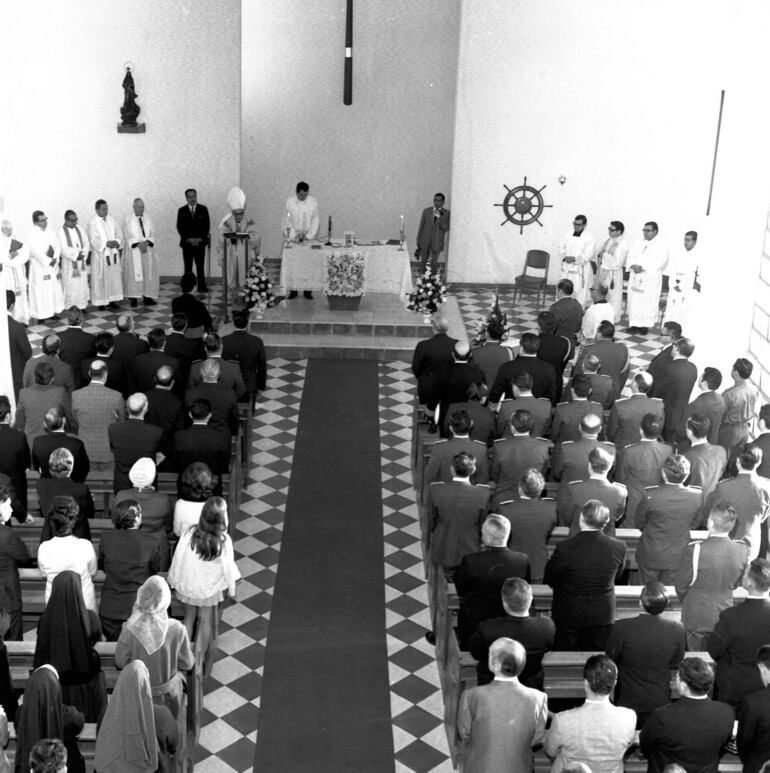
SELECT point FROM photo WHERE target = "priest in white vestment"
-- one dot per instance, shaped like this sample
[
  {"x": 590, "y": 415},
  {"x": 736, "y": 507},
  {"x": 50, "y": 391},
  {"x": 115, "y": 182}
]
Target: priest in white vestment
[
  {"x": 6, "y": 373},
  {"x": 576, "y": 251},
  {"x": 682, "y": 272},
  {"x": 140, "y": 264},
  {"x": 14, "y": 256},
  {"x": 74, "y": 262},
  {"x": 646, "y": 262},
  {"x": 300, "y": 220},
  {"x": 46, "y": 298},
  {"x": 610, "y": 261},
  {"x": 236, "y": 222},
  {"x": 106, "y": 241}
]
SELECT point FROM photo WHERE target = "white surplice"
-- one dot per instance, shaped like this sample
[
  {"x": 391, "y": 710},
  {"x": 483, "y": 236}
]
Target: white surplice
[
  {"x": 74, "y": 271},
  {"x": 301, "y": 216},
  {"x": 15, "y": 272},
  {"x": 644, "y": 287},
  {"x": 583, "y": 249},
  {"x": 682, "y": 268},
  {"x": 106, "y": 283},
  {"x": 140, "y": 269},
  {"x": 611, "y": 259},
  {"x": 46, "y": 297},
  {"x": 6, "y": 375}
]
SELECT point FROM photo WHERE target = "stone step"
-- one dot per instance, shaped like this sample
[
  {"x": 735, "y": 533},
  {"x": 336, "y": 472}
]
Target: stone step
[{"x": 381, "y": 348}]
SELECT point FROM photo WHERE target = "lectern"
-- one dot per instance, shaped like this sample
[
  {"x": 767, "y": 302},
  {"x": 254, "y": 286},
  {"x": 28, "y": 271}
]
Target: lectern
[{"x": 234, "y": 243}]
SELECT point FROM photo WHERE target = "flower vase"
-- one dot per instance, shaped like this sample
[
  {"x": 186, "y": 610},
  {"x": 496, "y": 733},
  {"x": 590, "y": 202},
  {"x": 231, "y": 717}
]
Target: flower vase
[
  {"x": 427, "y": 317},
  {"x": 256, "y": 312}
]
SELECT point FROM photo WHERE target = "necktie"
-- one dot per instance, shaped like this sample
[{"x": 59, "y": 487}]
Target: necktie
[
  {"x": 192, "y": 211},
  {"x": 141, "y": 225}
]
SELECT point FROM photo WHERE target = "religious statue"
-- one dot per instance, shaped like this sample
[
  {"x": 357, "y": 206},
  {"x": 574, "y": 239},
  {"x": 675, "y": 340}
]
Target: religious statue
[{"x": 130, "y": 109}]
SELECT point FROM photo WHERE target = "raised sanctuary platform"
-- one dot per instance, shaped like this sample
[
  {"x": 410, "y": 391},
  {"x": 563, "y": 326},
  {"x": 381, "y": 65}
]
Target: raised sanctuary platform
[{"x": 382, "y": 328}]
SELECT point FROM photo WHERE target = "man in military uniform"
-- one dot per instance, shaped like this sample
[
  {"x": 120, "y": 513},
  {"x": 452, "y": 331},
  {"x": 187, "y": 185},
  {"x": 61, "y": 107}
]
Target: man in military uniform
[
  {"x": 568, "y": 415},
  {"x": 624, "y": 424},
  {"x": 539, "y": 407},
  {"x": 570, "y": 459}
]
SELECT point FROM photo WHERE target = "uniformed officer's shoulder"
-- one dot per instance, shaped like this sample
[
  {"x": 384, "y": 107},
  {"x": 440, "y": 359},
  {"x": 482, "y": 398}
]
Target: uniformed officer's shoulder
[
  {"x": 607, "y": 444},
  {"x": 439, "y": 442},
  {"x": 544, "y": 400},
  {"x": 620, "y": 485},
  {"x": 622, "y": 400},
  {"x": 438, "y": 483},
  {"x": 562, "y": 404},
  {"x": 669, "y": 446},
  {"x": 502, "y": 439},
  {"x": 603, "y": 375},
  {"x": 544, "y": 440},
  {"x": 631, "y": 445},
  {"x": 575, "y": 482},
  {"x": 547, "y": 499},
  {"x": 482, "y": 485},
  {"x": 649, "y": 488},
  {"x": 568, "y": 443},
  {"x": 507, "y": 502},
  {"x": 196, "y": 361},
  {"x": 656, "y": 399},
  {"x": 479, "y": 443}
]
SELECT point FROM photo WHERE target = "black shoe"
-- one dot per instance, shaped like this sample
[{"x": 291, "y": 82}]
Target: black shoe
[
  {"x": 308, "y": 295},
  {"x": 643, "y": 331},
  {"x": 430, "y": 637},
  {"x": 292, "y": 294},
  {"x": 134, "y": 303},
  {"x": 148, "y": 301},
  {"x": 114, "y": 305},
  {"x": 102, "y": 308}
]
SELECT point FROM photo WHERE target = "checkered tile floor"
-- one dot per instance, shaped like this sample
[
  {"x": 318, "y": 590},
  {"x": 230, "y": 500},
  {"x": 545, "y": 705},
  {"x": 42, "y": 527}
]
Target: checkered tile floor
[{"x": 231, "y": 706}]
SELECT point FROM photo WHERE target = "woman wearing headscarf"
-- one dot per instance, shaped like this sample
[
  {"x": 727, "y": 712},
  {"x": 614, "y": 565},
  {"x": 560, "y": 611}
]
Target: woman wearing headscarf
[
  {"x": 66, "y": 635},
  {"x": 161, "y": 643},
  {"x": 42, "y": 715},
  {"x": 136, "y": 735},
  {"x": 157, "y": 510},
  {"x": 60, "y": 464},
  {"x": 66, "y": 552}
]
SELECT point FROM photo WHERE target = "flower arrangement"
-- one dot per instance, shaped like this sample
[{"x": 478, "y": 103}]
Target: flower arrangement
[
  {"x": 429, "y": 294},
  {"x": 494, "y": 314},
  {"x": 344, "y": 273},
  {"x": 257, "y": 290}
]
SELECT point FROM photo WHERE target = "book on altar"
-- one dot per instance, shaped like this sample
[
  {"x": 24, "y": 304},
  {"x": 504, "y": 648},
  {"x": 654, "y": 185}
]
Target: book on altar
[{"x": 236, "y": 235}]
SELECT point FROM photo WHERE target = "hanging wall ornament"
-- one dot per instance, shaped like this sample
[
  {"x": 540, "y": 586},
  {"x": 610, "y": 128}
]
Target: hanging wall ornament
[{"x": 523, "y": 205}]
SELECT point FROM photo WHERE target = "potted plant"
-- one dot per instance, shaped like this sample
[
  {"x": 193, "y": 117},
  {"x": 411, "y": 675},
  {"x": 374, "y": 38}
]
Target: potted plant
[
  {"x": 429, "y": 294},
  {"x": 257, "y": 291},
  {"x": 344, "y": 279}
]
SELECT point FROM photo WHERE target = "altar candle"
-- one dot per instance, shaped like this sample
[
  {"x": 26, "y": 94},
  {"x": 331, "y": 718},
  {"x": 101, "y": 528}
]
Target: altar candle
[{"x": 402, "y": 222}]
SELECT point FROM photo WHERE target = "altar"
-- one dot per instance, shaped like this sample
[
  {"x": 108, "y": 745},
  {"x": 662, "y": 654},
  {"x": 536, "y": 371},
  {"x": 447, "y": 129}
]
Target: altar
[{"x": 387, "y": 268}]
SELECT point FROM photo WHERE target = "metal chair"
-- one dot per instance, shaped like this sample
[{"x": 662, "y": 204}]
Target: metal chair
[{"x": 535, "y": 275}]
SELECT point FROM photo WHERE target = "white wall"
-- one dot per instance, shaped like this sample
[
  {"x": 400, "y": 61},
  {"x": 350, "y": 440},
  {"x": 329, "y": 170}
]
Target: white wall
[
  {"x": 63, "y": 69},
  {"x": 621, "y": 98},
  {"x": 367, "y": 163}
]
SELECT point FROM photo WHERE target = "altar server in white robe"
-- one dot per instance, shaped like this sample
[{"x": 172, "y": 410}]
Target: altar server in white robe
[
  {"x": 74, "y": 262},
  {"x": 682, "y": 272},
  {"x": 6, "y": 372},
  {"x": 14, "y": 256},
  {"x": 610, "y": 261},
  {"x": 46, "y": 298},
  {"x": 235, "y": 221},
  {"x": 300, "y": 220},
  {"x": 646, "y": 262},
  {"x": 577, "y": 250},
  {"x": 140, "y": 264},
  {"x": 106, "y": 241}
]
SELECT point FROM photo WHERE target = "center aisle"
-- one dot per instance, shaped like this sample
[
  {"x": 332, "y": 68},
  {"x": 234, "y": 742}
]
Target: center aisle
[{"x": 325, "y": 702}]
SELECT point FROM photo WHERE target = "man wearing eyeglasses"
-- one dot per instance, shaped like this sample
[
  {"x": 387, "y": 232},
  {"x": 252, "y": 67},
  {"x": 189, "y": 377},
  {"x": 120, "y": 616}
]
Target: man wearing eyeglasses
[
  {"x": 75, "y": 249},
  {"x": 646, "y": 261},
  {"x": 610, "y": 261},
  {"x": 577, "y": 250}
]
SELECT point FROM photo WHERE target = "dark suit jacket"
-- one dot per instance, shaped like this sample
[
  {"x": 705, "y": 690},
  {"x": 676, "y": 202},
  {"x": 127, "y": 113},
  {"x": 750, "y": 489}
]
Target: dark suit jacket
[
  {"x": 165, "y": 410},
  {"x": 582, "y": 572},
  {"x": 146, "y": 365},
  {"x": 185, "y": 351},
  {"x": 539, "y": 407},
  {"x": 674, "y": 385},
  {"x": 249, "y": 352},
  {"x": 429, "y": 356},
  {"x": 754, "y": 731},
  {"x": 15, "y": 458},
  {"x": 555, "y": 351},
  {"x": 532, "y": 522},
  {"x": 660, "y": 360},
  {"x": 750, "y": 496},
  {"x": 740, "y": 631},
  {"x": 709, "y": 404},
  {"x": 201, "y": 443},
  {"x": 763, "y": 443},
  {"x": 131, "y": 440},
  {"x": 569, "y": 317},
  {"x": 450, "y": 385},
  {"x": 224, "y": 406},
  {"x": 707, "y": 464},
  {"x": 623, "y": 427},
  {"x": 193, "y": 228},
  {"x": 76, "y": 346},
  {"x": 127, "y": 348},
  {"x": 48, "y": 488},
  {"x": 645, "y": 649},
  {"x": 430, "y": 233},
  {"x": 544, "y": 383},
  {"x": 12, "y": 553},
  {"x": 197, "y": 313},
  {"x": 44, "y": 445},
  {"x": 512, "y": 457},
  {"x": 691, "y": 732},
  {"x": 117, "y": 376},
  {"x": 479, "y": 580},
  {"x": 615, "y": 361},
  {"x": 229, "y": 375},
  {"x": 21, "y": 351}
]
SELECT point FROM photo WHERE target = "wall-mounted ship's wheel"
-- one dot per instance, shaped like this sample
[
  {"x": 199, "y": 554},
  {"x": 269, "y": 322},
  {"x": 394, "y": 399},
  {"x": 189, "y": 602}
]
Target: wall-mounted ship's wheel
[{"x": 523, "y": 205}]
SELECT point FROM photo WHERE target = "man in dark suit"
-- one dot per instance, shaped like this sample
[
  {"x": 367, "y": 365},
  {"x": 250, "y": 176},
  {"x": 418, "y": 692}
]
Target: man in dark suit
[
  {"x": 249, "y": 352},
  {"x": 201, "y": 443},
  {"x": 229, "y": 372},
  {"x": 146, "y": 366},
  {"x": 127, "y": 346},
  {"x": 193, "y": 226},
  {"x": 198, "y": 318},
  {"x": 184, "y": 350},
  {"x": 568, "y": 312},
  {"x": 14, "y": 453},
  {"x": 165, "y": 409},
  {"x": 55, "y": 425},
  {"x": 491, "y": 354},
  {"x": 602, "y": 386},
  {"x": 76, "y": 345},
  {"x": 484, "y": 426},
  {"x": 62, "y": 373},
  {"x": 480, "y": 576},
  {"x": 568, "y": 416},
  {"x": 456, "y": 511},
  {"x": 670, "y": 334},
  {"x": 543, "y": 373},
  {"x": 624, "y": 424},
  {"x": 35, "y": 400},
  {"x": 707, "y": 461},
  {"x": 583, "y": 571},
  {"x": 432, "y": 355},
  {"x": 645, "y": 649},
  {"x": 512, "y": 456},
  {"x": 450, "y": 384},
  {"x": 13, "y": 552},
  {"x": 19, "y": 345},
  {"x": 754, "y": 719},
  {"x": 738, "y": 634},
  {"x": 693, "y": 731},
  {"x": 434, "y": 223},
  {"x": 570, "y": 459},
  {"x": 674, "y": 385},
  {"x": 708, "y": 403},
  {"x": 523, "y": 399},
  {"x": 224, "y": 406},
  {"x": 554, "y": 349},
  {"x": 614, "y": 356},
  {"x": 132, "y": 439},
  {"x": 535, "y": 634},
  {"x": 117, "y": 378}
]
